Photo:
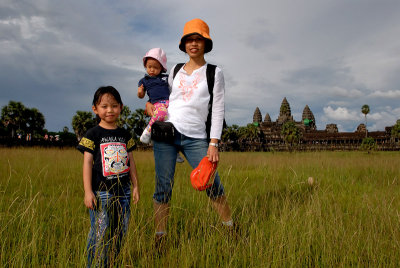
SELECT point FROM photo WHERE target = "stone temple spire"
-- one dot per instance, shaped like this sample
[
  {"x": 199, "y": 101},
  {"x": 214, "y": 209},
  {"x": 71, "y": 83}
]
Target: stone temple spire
[
  {"x": 285, "y": 108},
  {"x": 308, "y": 118},
  {"x": 257, "y": 118},
  {"x": 267, "y": 118},
  {"x": 284, "y": 113}
]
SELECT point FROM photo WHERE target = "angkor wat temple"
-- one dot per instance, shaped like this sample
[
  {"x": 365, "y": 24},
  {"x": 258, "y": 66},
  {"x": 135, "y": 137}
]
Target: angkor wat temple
[{"x": 312, "y": 139}]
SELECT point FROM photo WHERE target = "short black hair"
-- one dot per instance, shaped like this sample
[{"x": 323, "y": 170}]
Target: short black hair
[{"x": 106, "y": 90}]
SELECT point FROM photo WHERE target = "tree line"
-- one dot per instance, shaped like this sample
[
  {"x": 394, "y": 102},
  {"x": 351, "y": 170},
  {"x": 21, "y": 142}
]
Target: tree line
[
  {"x": 21, "y": 122},
  {"x": 23, "y": 125},
  {"x": 18, "y": 121},
  {"x": 20, "y": 125},
  {"x": 133, "y": 121}
]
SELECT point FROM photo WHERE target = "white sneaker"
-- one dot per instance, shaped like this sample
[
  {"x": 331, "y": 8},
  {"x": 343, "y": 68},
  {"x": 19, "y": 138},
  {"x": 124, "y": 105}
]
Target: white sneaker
[{"x": 146, "y": 137}]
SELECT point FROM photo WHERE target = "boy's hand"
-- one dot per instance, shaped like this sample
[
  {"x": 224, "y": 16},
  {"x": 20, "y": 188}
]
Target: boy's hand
[
  {"x": 141, "y": 92},
  {"x": 135, "y": 194},
  {"x": 90, "y": 200}
]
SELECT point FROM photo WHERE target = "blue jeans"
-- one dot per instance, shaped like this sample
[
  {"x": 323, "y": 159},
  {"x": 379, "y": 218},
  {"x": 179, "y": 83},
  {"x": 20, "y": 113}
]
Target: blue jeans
[
  {"x": 108, "y": 225},
  {"x": 165, "y": 160}
]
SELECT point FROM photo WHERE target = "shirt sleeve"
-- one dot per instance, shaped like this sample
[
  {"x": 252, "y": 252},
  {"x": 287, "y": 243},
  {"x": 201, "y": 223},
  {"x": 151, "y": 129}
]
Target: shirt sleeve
[
  {"x": 86, "y": 144},
  {"x": 131, "y": 145},
  {"x": 218, "y": 106}
]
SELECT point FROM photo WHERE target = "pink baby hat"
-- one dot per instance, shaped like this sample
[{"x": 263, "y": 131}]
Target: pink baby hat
[{"x": 157, "y": 54}]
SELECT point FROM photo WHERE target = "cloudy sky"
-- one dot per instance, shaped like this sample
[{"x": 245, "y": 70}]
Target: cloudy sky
[{"x": 333, "y": 55}]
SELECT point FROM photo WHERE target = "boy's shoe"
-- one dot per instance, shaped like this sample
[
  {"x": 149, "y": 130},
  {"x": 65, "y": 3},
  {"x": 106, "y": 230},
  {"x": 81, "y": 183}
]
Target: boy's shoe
[
  {"x": 179, "y": 159},
  {"x": 146, "y": 136}
]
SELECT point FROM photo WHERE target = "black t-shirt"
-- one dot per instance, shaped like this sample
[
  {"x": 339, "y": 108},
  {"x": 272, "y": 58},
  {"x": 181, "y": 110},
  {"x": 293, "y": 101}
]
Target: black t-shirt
[{"x": 110, "y": 149}]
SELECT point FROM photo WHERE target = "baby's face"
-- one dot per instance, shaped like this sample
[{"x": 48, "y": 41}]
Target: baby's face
[{"x": 153, "y": 67}]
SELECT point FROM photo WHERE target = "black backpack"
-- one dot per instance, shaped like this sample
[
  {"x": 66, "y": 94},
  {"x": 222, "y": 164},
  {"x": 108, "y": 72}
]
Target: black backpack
[{"x": 210, "y": 73}]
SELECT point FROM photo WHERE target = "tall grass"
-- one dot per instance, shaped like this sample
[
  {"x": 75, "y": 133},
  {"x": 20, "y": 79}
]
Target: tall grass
[{"x": 349, "y": 217}]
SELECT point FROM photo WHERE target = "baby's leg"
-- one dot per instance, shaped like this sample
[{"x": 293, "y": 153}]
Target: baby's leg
[{"x": 160, "y": 113}]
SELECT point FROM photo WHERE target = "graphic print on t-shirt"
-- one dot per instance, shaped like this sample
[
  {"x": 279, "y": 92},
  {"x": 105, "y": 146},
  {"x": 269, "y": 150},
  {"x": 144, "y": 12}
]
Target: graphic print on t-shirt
[
  {"x": 114, "y": 158},
  {"x": 188, "y": 86}
]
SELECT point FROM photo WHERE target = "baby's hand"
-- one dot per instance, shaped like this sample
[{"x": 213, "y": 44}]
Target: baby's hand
[
  {"x": 90, "y": 200},
  {"x": 141, "y": 92}
]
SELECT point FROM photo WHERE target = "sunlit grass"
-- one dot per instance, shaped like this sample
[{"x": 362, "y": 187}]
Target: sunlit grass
[{"x": 349, "y": 217}]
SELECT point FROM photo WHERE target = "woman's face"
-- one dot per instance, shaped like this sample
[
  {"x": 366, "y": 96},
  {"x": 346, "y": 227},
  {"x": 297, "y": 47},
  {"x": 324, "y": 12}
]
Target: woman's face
[{"x": 195, "y": 45}]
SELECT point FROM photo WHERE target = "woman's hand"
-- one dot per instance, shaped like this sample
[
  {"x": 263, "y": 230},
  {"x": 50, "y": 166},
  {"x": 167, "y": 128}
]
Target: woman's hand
[
  {"x": 149, "y": 109},
  {"x": 212, "y": 152}
]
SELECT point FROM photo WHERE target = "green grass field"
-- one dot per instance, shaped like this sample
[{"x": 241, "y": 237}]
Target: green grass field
[{"x": 349, "y": 217}]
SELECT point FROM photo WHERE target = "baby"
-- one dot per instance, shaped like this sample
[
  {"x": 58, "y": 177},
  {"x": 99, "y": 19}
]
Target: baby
[{"x": 155, "y": 83}]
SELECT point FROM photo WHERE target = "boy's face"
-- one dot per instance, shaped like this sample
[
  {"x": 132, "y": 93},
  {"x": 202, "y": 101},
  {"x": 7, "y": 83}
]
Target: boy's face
[
  {"x": 108, "y": 109},
  {"x": 153, "y": 67}
]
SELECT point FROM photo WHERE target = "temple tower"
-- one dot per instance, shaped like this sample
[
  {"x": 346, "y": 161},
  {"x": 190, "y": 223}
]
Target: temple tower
[
  {"x": 361, "y": 128},
  {"x": 308, "y": 118},
  {"x": 267, "y": 118},
  {"x": 331, "y": 128},
  {"x": 257, "y": 118},
  {"x": 284, "y": 113}
]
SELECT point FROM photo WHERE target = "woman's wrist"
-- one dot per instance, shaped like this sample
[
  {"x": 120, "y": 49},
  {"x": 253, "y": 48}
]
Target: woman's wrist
[{"x": 215, "y": 144}]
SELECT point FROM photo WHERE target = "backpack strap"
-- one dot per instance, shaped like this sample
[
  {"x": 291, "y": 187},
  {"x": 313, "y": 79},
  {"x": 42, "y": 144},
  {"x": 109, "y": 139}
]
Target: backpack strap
[
  {"x": 176, "y": 69},
  {"x": 210, "y": 73}
]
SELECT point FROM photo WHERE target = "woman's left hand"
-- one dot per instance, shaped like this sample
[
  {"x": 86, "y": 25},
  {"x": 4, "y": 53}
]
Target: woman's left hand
[
  {"x": 212, "y": 153},
  {"x": 149, "y": 109}
]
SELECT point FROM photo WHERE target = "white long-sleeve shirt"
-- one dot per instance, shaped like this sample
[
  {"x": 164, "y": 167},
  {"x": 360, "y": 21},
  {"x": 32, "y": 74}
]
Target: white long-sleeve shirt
[{"x": 188, "y": 103}]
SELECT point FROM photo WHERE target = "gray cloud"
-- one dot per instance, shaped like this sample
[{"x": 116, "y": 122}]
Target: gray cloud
[
  {"x": 325, "y": 75},
  {"x": 340, "y": 54},
  {"x": 391, "y": 94}
]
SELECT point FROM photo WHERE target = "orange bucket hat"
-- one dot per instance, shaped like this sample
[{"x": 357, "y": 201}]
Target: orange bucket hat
[
  {"x": 196, "y": 26},
  {"x": 202, "y": 177}
]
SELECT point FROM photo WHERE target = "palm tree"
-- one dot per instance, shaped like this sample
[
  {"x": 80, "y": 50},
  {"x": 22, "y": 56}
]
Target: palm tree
[
  {"x": 395, "y": 133},
  {"x": 368, "y": 144},
  {"x": 34, "y": 122},
  {"x": 12, "y": 116},
  {"x": 250, "y": 132},
  {"x": 124, "y": 118},
  {"x": 291, "y": 133},
  {"x": 230, "y": 134},
  {"x": 137, "y": 122},
  {"x": 365, "y": 111},
  {"x": 82, "y": 122}
]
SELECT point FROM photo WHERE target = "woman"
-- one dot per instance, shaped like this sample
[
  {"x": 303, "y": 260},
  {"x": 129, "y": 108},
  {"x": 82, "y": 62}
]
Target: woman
[{"x": 188, "y": 110}]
